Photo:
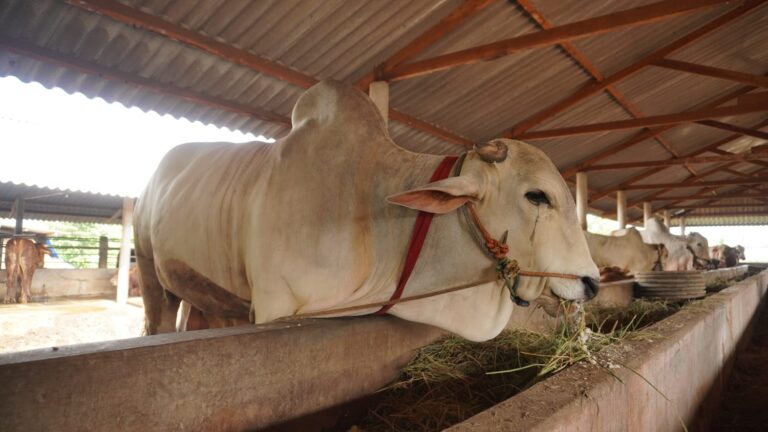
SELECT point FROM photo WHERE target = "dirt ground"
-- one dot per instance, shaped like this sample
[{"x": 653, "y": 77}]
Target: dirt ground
[
  {"x": 42, "y": 325},
  {"x": 745, "y": 404}
]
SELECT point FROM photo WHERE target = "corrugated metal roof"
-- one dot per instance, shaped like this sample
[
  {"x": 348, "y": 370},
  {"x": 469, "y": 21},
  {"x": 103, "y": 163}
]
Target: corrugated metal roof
[
  {"x": 59, "y": 204},
  {"x": 344, "y": 40}
]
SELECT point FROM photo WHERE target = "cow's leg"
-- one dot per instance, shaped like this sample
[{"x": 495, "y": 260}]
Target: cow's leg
[
  {"x": 10, "y": 282},
  {"x": 160, "y": 306},
  {"x": 26, "y": 284}
]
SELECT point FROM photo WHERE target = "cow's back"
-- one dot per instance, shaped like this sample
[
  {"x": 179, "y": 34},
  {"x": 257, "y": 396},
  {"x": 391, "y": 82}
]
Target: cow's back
[{"x": 194, "y": 207}]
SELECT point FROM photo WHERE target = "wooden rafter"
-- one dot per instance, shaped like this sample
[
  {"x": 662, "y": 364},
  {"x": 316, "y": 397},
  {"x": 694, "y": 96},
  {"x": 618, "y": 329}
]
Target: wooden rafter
[
  {"x": 573, "y": 31},
  {"x": 650, "y": 133},
  {"x": 739, "y": 181},
  {"x": 729, "y": 214},
  {"x": 591, "y": 89},
  {"x": 53, "y": 57},
  {"x": 651, "y": 121},
  {"x": 733, "y": 128},
  {"x": 740, "y": 77},
  {"x": 711, "y": 206},
  {"x": 582, "y": 60},
  {"x": 132, "y": 16},
  {"x": 429, "y": 37},
  {"x": 736, "y": 157},
  {"x": 711, "y": 195}
]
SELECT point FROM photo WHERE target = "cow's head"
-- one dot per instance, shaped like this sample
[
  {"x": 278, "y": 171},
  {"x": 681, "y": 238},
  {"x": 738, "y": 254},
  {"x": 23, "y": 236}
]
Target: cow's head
[
  {"x": 740, "y": 248},
  {"x": 42, "y": 251},
  {"x": 699, "y": 244},
  {"x": 516, "y": 187}
]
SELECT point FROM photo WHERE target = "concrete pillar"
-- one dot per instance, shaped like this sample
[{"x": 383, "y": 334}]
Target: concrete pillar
[
  {"x": 125, "y": 251},
  {"x": 582, "y": 196},
  {"x": 621, "y": 209},
  {"x": 647, "y": 213},
  {"x": 379, "y": 94},
  {"x": 682, "y": 225},
  {"x": 667, "y": 218},
  {"x": 19, "y": 206},
  {"x": 103, "y": 251}
]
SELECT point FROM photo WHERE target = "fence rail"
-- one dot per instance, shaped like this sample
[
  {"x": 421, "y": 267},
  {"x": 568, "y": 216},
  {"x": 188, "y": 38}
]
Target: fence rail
[{"x": 78, "y": 252}]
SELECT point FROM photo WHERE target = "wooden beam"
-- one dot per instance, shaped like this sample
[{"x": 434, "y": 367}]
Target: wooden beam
[
  {"x": 709, "y": 195},
  {"x": 756, "y": 180},
  {"x": 660, "y": 120},
  {"x": 621, "y": 209},
  {"x": 582, "y": 198},
  {"x": 582, "y": 60},
  {"x": 135, "y": 17},
  {"x": 124, "y": 265},
  {"x": 434, "y": 33},
  {"x": 740, "y": 77},
  {"x": 578, "y": 30},
  {"x": 53, "y": 57},
  {"x": 733, "y": 128},
  {"x": 709, "y": 148},
  {"x": 593, "y": 88},
  {"x": 711, "y": 206},
  {"x": 730, "y": 214},
  {"x": 650, "y": 133},
  {"x": 737, "y": 157},
  {"x": 647, "y": 212},
  {"x": 378, "y": 91}
]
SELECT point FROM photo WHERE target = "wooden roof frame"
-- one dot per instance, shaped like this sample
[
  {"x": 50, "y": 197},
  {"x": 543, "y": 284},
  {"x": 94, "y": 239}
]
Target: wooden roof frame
[{"x": 395, "y": 68}]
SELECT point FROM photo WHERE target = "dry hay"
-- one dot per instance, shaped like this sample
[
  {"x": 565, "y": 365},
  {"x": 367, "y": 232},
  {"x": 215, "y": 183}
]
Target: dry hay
[{"x": 453, "y": 379}]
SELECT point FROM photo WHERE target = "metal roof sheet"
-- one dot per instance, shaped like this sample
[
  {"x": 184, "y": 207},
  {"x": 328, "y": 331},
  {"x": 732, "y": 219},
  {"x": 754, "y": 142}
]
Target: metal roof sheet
[{"x": 344, "y": 40}]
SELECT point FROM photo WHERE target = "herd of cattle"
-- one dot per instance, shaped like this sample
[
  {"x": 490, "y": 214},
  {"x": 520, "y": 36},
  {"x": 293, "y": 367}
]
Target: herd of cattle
[{"x": 323, "y": 218}]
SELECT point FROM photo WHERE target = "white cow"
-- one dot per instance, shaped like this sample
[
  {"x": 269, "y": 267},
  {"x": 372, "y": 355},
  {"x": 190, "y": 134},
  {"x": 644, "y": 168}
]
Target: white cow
[
  {"x": 684, "y": 252},
  {"x": 322, "y": 219},
  {"x": 627, "y": 252}
]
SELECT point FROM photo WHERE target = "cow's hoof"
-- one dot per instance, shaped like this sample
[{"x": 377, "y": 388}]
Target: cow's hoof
[
  {"x": 9, "y": 300},
  {"x": 23, "y": 300}
]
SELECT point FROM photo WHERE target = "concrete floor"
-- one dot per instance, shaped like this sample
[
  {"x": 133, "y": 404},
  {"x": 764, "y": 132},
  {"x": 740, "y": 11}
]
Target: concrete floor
[{"x": 42, "y": 325}]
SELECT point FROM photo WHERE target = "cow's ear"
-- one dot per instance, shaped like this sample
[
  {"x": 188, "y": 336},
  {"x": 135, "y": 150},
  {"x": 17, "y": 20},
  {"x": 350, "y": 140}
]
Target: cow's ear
[{"x": 441, "y": 196}]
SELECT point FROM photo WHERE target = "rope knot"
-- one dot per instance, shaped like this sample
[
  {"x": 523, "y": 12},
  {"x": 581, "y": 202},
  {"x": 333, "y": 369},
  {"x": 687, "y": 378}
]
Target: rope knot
[{"x": 498, "y": 249}]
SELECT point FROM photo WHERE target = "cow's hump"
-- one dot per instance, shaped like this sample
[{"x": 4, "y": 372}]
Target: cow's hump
[{"x": 338, "y": 107}]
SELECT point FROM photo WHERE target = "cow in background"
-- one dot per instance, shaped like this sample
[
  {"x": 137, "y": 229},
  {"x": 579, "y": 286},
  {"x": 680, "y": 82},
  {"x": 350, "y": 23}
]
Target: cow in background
[
  {"x": 22, "y": 258},
  {"x": 134, "y": 288},
  {"x": 726, "y": 255}
]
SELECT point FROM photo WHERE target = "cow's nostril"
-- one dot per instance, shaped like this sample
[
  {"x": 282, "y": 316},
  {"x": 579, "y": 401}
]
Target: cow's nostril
[{"x": 591, "y": 286}]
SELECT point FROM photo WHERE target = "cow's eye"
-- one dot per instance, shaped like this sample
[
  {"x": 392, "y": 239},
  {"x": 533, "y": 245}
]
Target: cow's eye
[{"x": 537, "y": 197}]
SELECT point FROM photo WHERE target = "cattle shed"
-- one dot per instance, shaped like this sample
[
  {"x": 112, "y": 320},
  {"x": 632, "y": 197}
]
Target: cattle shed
[{"x": 646, "y": 107}]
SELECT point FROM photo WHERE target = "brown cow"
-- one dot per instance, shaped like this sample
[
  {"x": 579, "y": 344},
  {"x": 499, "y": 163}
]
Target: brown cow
[
  {"x": 22, "y": 257},
  {"x": 134, "y": 287}
]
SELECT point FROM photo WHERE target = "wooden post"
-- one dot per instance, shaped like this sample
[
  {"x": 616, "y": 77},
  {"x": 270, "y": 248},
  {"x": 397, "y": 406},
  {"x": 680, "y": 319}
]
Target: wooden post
[
  {"x": 103, "y": 251},
  {"x": 379, "y": 94},
  {"x": 682, "y": 225},
  {"x": 582, "y": 196},
  {"x": 621, "y": 208},
  {"x": 667, "y": 218},
  {"x": 19, "y": 206},
  {"x": 647, "y": 213},
  {"x": 125, "y": 251}
]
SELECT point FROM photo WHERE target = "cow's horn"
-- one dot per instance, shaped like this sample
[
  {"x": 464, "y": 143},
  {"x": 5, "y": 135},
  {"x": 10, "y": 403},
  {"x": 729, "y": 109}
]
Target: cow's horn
[{"x": 492, "y": 151}]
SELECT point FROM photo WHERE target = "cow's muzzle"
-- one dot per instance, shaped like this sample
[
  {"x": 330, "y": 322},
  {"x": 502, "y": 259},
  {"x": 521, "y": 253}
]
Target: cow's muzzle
[{"x": 591, "y": 286}]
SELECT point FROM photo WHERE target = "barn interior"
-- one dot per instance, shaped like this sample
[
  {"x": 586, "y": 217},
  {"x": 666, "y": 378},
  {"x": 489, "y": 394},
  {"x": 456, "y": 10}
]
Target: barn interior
[{"x": 647, "y": 108}]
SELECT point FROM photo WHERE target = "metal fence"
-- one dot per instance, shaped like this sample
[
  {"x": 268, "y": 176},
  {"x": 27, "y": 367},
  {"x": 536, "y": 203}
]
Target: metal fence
[{"x": 78, "y": 252}]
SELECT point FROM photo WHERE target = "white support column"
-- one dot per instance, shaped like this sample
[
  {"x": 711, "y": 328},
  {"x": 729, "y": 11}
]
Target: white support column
[
  {"x": 378, "y": 91},
  {"x": 682, "y": 225},
  {"x": 621, "y": 209},
  {"x": 125, "y": 252},
  {"x": 667, "y": 218},
  {"x": 647, "y": 213},
  {"x": 582, "y": 198}
]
